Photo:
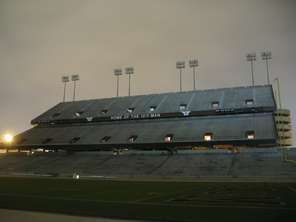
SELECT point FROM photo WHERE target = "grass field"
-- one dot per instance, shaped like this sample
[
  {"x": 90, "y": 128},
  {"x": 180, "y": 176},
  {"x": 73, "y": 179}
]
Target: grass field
[{"x": 160, "y": 201}]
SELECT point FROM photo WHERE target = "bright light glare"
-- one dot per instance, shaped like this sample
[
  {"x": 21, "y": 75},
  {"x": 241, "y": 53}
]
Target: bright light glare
[{"x": 8, "y": 138}]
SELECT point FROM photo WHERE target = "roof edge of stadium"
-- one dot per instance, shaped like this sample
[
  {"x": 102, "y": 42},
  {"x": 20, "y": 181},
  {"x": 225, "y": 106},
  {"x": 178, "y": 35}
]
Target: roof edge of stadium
[{"x": 203, "y": 90}]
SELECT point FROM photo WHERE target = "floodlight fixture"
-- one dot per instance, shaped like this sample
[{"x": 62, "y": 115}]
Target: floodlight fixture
[
  {"x": 117, "y": 73},
  {"x": 65, "y": 79},
  {"x": 266, "y": 56},
  {"x": 251, "y": 57},
  {"x": 180, "y": 65},
  {"x": 129, "y": 71},
  {"x": 74, "y": 78},
  {"x": 193, "y": 64}
]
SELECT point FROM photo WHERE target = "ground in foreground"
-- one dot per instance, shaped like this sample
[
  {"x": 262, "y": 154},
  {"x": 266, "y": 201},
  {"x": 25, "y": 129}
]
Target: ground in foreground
[{"x": 160, "y": 201}]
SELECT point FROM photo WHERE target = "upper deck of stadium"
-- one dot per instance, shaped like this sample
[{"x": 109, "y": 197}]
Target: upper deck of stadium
[
  {"x": 240, "y": 116},
  {"x": 190, "y": 103}
]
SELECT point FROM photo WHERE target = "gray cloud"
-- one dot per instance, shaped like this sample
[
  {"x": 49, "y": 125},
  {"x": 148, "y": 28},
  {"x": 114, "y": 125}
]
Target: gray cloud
[{"x": 42, "y": 40}]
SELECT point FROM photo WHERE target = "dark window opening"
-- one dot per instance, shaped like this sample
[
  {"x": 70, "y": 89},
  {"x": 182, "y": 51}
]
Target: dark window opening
[
  {"x": 74, "y": 139},
  {"x": 132, "y": 138},
  {"x": 168, "y": 138},
  {"x": 22, "y": 141},
  {"x": 47, "y": 140},
  {"x": 131, "y": 109},
  {"x": 215, "y": 105},
  {"x": 78, "y": 114},
  {"x": 208, "y": 136},
  {"x": 183, "y": 107},
  {"x": 104, "y": 111},
  {"x": 249, "y": 102},
  {"x": 250, "y": 135},
  {"x": 152, "y": 108},
  {"x": 105, "y": 139},
  {"x": 56, "y": 115}
]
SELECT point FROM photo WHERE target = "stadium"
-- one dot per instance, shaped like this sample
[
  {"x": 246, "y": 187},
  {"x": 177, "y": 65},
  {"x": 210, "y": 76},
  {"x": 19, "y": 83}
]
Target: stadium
[{"x": 148, "y": 152}]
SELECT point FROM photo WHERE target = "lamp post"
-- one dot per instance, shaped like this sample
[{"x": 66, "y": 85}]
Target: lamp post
[
  {"x": 65, "y": 79},
  {"x": 129, "y": 71},
  {"x": 266, "y": 56},
  {"x": 117, "y": 73},
  {"x": 277, "y": 80},
  {"x": 251, "y": 57},
  {"x": 193, "y": 64},
  {"x": 180, "y": 65},
  {"x": 74, "y": 78}
]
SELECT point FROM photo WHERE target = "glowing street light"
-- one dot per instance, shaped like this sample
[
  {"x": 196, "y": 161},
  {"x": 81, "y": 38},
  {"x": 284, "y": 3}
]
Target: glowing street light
[
  {"x": 65, "y": 79},
  {"x": 266, "y": 56},
  {"x": 180, "y": 65},
  {"x": 251, "y": 57},
  {"x": 129, "y": 71},
  {"x": 8, "y": 138},
  {"x": 117, "y": 73},
  {"x": 193, "y": 64},
  {"x": 74, "y": 78}
]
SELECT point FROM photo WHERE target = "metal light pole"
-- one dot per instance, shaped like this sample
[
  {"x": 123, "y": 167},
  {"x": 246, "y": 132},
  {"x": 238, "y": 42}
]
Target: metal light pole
[
  {"x": 129, "y": 71},
  {"x": 180, "y": 66},
  {"x": 74, "y": 78},
  {"x": 117, "y": 73},
  {"x": 266, "y": 56},
  {"x": 193, "y": 64},
  {"x": 251, "y": 57},
  {"x": 277, "y": 80},
  {"x": 65, "y": 79}
]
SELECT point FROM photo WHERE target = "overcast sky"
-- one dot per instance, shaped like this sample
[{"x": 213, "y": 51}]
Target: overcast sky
[{"x": 41, "y": 40}]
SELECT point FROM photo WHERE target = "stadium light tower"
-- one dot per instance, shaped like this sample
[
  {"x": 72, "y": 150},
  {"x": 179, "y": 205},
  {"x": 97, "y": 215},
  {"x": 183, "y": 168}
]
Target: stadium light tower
[
  {"x": 74, "y": 78},
  {"x": 129, "y": 71},
  {"x": 180, "y": 65},
  {"x": 193, "y": 64},
  {"x": 251, "y": 57},
  {"x": 266, "y": 56},
  {"x": 65, "y": 79},
  {"x": 117, "y": 73}
]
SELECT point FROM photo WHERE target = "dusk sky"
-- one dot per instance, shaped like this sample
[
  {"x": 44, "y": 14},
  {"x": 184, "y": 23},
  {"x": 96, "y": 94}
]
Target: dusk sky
[{"x": 41, "y": 40}]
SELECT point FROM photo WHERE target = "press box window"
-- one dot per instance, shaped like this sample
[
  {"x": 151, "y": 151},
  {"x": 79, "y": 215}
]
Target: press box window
[
  {"x": 168, "y": 138},
  {"x": 132, "y": 138},
  {"x": 105, "y": 139},
  {"x": 183, "y": 107},
  {"x": 56, "y": 115},
  {"x": 78, "y": 114},
  {"x": 215, "y": 105},
  {"x": 74, "y": 139},
  {"x": 47, "y": 140},
  {"x": 250, "y": 135},
  {"x": 104, "y": 111},
  {"x": 152, "y": 108},
  {"x": 208, "y": 136},
  {"x": 130, "y": 110},
  {"x": 249, "y": 102}
]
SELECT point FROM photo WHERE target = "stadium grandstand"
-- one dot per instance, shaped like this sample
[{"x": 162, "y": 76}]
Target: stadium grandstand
[{"x": 228, "y": 117}]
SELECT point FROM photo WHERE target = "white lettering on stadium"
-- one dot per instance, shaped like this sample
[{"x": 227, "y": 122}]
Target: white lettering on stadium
[{"x": 136, "y": 116}]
